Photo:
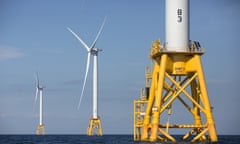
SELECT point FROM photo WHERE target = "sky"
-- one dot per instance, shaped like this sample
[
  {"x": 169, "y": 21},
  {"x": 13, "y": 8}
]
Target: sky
[{"x": 34, "y": 38}]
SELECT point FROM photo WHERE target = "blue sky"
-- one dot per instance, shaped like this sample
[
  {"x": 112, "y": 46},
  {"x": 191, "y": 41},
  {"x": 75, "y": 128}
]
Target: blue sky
[{"x": 34, "y": 37}]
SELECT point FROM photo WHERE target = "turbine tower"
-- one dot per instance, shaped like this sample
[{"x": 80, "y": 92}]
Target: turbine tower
[
  {"x": 177, "y": 75},
  {"x": 95, "y": 122},
  {"x": 39, "y": 91}
]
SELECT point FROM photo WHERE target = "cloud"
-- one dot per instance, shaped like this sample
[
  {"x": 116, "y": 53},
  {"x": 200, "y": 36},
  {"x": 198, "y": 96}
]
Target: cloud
[{"x": 7, "y": 53}]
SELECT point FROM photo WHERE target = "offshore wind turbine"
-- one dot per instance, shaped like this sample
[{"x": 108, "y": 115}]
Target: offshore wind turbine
[
  {"x": 95, "y": 122},
  {"x": 39, "y": 92}
]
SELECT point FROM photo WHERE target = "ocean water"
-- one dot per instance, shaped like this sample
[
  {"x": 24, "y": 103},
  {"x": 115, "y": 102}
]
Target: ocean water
[{"x": 106, "y": 139}]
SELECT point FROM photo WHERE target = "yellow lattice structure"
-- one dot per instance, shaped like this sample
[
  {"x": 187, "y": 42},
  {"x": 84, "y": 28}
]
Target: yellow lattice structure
[
  {"x": 175, "y": 76},
  {"x": 94, "y": 124}
]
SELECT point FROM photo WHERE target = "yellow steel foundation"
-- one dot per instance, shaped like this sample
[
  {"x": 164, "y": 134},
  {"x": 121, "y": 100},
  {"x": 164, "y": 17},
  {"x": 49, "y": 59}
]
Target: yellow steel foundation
[
  {"x": 175, "y": 76},
  {"x": 40, "y": 130},
  {"x": 140, "y": 106},
  {"x": 94, "y": 124}
]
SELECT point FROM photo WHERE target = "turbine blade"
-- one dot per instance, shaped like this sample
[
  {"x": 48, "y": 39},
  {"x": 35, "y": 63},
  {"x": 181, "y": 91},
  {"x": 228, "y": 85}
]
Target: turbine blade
[
  {"x": 85, "y": 79},
  {"x": 100, "y": 30},
  {"x": 37, "y": 80},
  {"x": 79, "y": 39},
  {"x": 36, "y": 94}
]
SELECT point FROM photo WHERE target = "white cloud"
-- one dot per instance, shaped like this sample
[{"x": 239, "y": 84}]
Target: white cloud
[{"x": 7, "y": 52}]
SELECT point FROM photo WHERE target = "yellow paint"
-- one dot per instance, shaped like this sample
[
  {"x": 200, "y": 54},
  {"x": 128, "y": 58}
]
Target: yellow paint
[
  {"x": 40, "y": 130},
  {"x": 175, "y": 76},
  {"x": 94, "y": 124}
]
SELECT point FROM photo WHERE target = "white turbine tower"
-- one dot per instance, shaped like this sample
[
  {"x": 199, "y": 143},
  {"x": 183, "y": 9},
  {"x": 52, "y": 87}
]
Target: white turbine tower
[
  {"x": 39, "y": 91},
  {"x": 95, "y": 120}
]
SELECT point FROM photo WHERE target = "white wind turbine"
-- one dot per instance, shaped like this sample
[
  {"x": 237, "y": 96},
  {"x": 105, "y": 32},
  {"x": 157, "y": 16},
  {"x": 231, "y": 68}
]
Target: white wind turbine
[
  {"x": 91, "y": 51},
  {"x": 39, "y": 91}
]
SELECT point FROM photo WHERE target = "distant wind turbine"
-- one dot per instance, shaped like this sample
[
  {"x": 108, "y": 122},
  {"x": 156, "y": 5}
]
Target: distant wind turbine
[{"x": 39, "y": 90}]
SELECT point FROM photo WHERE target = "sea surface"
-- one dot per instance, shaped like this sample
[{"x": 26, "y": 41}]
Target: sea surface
[{"x": 106, "y": 139}]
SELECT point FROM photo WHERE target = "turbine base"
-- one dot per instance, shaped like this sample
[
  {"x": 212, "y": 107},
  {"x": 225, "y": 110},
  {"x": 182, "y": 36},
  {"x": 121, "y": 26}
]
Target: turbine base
[
  {"x": 175, "y": 77},
  {"x": 40, "y": 130},
  {"x": 94, "y": 124}
]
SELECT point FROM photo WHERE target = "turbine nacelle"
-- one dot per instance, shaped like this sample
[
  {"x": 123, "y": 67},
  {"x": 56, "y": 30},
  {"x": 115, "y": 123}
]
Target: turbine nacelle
[
  {"x": 94, "y": 51},
  {"x": 38, "y": 87}
]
